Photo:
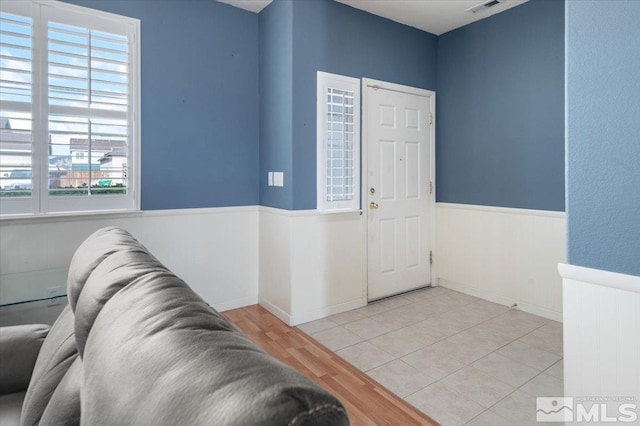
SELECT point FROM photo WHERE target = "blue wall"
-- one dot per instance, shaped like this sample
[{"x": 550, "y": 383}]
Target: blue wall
[
  {"x": 331, "y": 37},
  {"x": 199, "y": 102},
  {"x": 603, "y": 135},
  {"x": 220, "y": 111},
  {"x": 500, "y": 110},
  {"x": 276, "y": 113}
]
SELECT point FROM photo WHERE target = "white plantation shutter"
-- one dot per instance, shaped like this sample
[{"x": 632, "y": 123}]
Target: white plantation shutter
[
  {"x": 16, "y": 93},
  {"x": 338, "y": 128},
  {"x": 83, "y": 104},
  {"x": 87, "y": 68},
  {"x": 339, "y": 145}
]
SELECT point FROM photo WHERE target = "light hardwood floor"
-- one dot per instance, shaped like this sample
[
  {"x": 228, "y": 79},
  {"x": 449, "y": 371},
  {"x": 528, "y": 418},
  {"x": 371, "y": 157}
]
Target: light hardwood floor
[{"x": 367, "y": 402}]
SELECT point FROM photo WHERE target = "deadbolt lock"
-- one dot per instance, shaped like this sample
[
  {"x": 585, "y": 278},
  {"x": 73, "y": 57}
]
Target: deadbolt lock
[{"x": 372, "y": 191}]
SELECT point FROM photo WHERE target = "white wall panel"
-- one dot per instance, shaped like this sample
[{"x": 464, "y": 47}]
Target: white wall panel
[
  {"x": 326, "y": 259},
  {"x": 504, "y": 255},
  {"x": 601, "y": 333},
  {"x": 214, "y": 250},
  {"x": 310, "y": 263},
  {"x": 275, "y": 262}
]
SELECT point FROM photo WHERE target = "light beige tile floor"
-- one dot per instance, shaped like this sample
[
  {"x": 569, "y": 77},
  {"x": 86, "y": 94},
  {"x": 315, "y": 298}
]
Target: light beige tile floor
[{"x": 460, "y": 359}]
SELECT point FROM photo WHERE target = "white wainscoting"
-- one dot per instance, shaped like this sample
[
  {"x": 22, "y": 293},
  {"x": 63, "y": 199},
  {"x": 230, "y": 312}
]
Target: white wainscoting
[
  {"x": 303, "y": 265},
  {"x": 310, "y": 263},
  {"x": 275, "y": 262},
  {"x": 215, "y": 250},
  {"x": 503, "y": 255},
  {"x": 601, "y": 333}
]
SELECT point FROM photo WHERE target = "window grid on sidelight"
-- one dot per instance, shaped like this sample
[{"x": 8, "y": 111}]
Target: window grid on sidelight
[{"x": 340, "y": 145}]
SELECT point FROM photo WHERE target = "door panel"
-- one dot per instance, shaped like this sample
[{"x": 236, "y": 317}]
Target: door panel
[
  {"x": 388, "y": 253},
  {"x": 387, "y": 170},
  {"x": 398, "y": 234},
  {"x": 412, "y": 170},
  {"x": 412, "y": 232},
  {"x": 387, "y": 116}
]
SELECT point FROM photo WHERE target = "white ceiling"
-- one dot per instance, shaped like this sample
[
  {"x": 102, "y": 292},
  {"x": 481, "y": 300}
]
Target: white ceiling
[
  {"x": 434, "y": 16},
  {"x": 250, "y": 5}
]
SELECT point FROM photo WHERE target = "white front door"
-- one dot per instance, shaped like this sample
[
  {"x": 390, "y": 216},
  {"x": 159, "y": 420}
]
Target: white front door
[{"x": 398, "y": 138}]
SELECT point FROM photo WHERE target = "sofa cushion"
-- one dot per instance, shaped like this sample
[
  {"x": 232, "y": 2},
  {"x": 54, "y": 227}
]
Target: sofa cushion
[
  {"x": 98, "y": 246},
  {"x": 56, "y": 356},
  {"x": 19, "y": 348},
  {"x": 111, "y": 275},
  {"x": 137, "y": 346},
  {"x": 154, "y": 353},
  {"x": 159, "y": 355},
  {"x": 64, "y": 405},
  {"x": 10, "y": 406}
]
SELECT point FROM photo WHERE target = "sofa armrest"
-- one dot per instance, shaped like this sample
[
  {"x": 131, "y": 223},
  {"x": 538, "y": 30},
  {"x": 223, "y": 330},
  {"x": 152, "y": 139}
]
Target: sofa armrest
[{"x": 19, "y": 348}]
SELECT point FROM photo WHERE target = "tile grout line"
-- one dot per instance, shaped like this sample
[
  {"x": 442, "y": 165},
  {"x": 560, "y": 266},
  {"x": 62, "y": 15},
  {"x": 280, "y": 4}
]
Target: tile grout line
[
  {"x": 519, "y": 388},
  {"x": 439, "y": 340}
]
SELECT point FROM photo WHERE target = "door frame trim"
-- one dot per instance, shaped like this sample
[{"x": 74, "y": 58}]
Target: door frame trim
[{"x": 371, "y": 84}]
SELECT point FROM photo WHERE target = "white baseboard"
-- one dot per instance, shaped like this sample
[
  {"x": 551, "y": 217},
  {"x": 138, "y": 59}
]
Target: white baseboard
[
  {"x": 492, "y": 297},
  {"x": 279, "y": 313},
  {"x": 326, "y": 311},
  {"x": 240, "y": 302},
  {"x": 301, "y": 318}
]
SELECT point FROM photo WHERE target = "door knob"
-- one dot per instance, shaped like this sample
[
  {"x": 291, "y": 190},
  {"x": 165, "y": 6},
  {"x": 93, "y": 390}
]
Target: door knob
[{"x": 373, "y": 205}]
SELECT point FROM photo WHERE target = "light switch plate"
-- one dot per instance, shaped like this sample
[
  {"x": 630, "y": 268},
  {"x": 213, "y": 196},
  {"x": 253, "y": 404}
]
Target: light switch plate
[{"x": 278, "y": 178}]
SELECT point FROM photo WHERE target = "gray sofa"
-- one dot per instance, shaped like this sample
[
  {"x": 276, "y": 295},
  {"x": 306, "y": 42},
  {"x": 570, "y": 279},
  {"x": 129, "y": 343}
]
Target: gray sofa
[{"x": 136, "y": 346}]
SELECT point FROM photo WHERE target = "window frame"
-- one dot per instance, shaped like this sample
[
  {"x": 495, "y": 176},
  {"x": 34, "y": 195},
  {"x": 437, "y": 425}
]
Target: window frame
[
  {"x": 41, "y": 203},
  {"x": 334, "y": 81}
]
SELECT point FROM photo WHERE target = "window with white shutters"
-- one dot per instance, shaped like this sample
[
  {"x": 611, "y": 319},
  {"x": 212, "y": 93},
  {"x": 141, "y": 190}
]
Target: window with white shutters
[
  {"x": 69, "y": 94},
  {"x": 338, "y": 142}
]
